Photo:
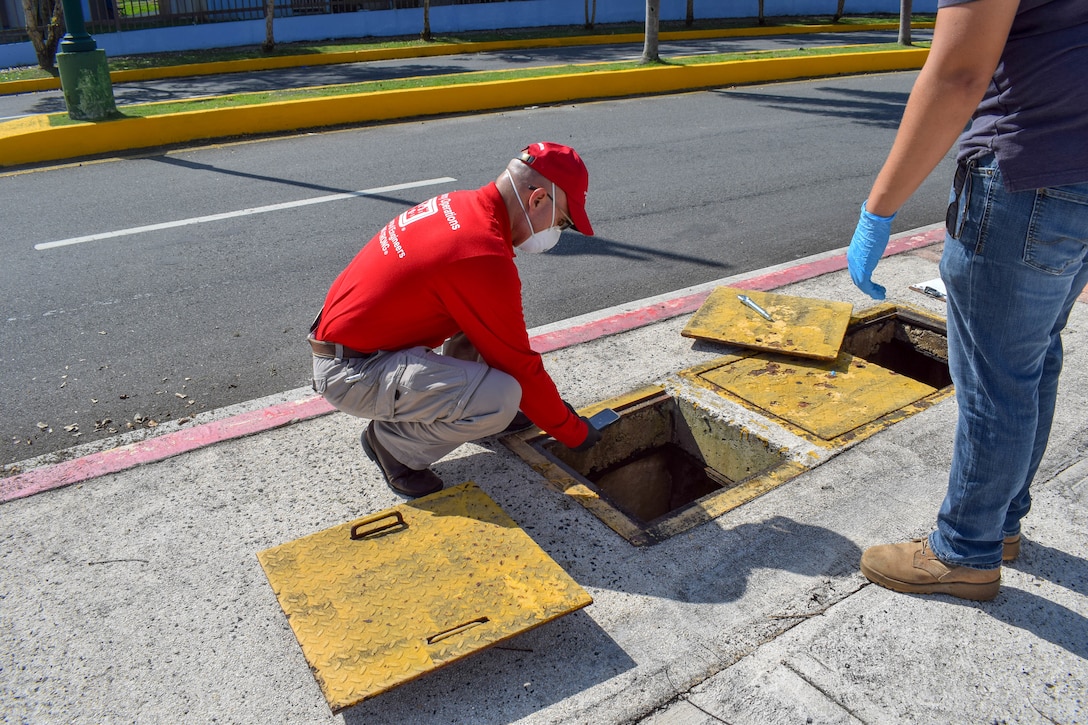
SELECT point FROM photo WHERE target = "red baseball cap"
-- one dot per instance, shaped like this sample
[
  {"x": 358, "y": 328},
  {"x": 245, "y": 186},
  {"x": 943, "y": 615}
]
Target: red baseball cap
[{"x": 562, "y": 166}]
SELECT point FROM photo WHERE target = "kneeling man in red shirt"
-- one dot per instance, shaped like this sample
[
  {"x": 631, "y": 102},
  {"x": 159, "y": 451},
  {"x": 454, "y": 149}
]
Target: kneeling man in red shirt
[{"x": 443, "y": 274}]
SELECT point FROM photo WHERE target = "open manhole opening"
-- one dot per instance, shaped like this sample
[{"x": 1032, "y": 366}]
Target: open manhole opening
[
  {"x": 665, "y": 466},
  {"x": 893, "y": 363},
  {"x": 655, "y": 482},
  {"x": 904, "y": 342}
]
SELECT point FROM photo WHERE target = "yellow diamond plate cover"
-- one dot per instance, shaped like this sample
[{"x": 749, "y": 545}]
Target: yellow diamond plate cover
[
  {"x": 798, "y": 326},
  {"x": 381, "y": 601},
  {"x": 825, "y": 398}
]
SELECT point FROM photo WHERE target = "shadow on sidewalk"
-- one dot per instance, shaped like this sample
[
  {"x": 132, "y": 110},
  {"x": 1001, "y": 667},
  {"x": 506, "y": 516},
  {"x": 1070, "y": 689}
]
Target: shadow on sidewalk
[
  {"x": 1042, "y": 617},
  {"x": 1045, "y": 619}
]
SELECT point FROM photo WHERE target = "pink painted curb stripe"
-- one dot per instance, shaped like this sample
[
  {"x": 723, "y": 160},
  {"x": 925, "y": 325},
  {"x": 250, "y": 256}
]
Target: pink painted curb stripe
[
  {"x": 275, "y": 416},
  {"x": 160, "y": 448},
  {"x": 624, "y": 321}
]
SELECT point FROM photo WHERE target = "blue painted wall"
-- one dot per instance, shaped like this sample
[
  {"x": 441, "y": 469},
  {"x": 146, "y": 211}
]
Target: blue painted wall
[{"x": 444, "y": 19}]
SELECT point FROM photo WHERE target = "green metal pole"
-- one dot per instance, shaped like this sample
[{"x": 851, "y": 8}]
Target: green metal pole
[
  {"x": 77, "y": 39},
  {"x": 84, "y": 72}
]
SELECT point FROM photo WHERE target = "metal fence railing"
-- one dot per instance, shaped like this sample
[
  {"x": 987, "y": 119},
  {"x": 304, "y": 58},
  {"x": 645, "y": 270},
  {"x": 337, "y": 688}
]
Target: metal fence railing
[{"x": 108, "y": 16}]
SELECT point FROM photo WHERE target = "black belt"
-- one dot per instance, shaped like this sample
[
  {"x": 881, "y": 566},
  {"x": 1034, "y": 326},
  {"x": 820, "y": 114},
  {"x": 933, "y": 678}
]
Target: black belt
[{"x": 328, "y": 349}]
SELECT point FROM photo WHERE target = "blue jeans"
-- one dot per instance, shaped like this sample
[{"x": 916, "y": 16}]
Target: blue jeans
[{"x": 1013, "y": 264}]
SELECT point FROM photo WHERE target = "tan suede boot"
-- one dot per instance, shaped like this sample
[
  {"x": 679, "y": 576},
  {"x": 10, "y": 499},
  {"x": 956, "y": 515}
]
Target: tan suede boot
[
  {"x": 1010, "y": 548},
  {"x": 914, "y": 569}
]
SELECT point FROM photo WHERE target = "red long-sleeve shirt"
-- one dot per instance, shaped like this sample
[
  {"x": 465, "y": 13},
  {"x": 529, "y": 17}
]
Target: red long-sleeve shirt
[{"x": 443, "y": 267}]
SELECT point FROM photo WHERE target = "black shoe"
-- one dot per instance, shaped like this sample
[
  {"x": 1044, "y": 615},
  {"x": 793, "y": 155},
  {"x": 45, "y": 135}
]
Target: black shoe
[
  {"x": 519, "y": 423},
  {"x": 402, "y": 479}
]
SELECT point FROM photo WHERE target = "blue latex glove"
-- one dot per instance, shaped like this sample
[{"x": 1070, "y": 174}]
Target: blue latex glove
[{"x": 869, "y": 242}]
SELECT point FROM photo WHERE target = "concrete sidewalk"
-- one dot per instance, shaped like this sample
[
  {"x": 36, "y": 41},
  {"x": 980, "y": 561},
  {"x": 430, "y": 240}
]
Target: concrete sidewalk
[{"x": 136, "y": 595}]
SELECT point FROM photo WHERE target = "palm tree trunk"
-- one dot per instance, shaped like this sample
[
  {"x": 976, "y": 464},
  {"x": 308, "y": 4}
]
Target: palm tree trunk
[
  {"x": 269, "y": 43},
  {"x": 426, "y": 32},
  {"x": 653, "y": 16},
  {"x": 905, "y": 10}
]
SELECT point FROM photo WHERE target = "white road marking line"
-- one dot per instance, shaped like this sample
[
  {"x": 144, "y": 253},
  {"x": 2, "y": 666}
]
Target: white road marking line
[{"x": 242, "y": 212}]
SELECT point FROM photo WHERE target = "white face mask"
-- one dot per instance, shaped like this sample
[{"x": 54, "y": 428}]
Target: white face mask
[{"x": 543, "y": 240}]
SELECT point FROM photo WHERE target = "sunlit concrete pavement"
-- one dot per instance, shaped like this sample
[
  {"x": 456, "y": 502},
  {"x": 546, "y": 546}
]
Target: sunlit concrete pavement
[{"x": 136, "y": 596}]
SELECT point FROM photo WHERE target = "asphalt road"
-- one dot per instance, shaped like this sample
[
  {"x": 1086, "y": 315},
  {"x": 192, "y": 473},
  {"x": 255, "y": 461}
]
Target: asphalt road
[{"x": 146, "y": 326}]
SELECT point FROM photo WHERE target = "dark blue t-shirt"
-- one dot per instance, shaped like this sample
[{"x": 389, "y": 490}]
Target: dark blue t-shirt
[{"x": 1034, "y": 116}]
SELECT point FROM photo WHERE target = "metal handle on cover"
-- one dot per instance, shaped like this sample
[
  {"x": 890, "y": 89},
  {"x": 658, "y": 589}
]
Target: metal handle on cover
[
  {"x": 358, "y": 533},
  {"x": 456, "y": 630}
]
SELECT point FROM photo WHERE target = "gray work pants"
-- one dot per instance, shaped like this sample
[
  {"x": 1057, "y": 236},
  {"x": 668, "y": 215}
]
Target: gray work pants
[{"x": 422, "y": 404}]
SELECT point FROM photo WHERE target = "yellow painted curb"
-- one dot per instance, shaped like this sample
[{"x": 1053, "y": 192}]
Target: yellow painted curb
[
  {"x": 26, "y": 124},
  {"x": 32, "y": 145},
  {"x": 30, "y": 85}
]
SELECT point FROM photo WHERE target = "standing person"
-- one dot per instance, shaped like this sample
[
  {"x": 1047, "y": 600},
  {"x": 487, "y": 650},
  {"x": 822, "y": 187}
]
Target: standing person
[
  {"x": 444, "y": 271},
  {"x": 1014, "y": 262}
]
